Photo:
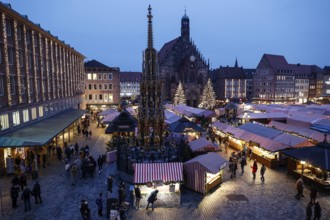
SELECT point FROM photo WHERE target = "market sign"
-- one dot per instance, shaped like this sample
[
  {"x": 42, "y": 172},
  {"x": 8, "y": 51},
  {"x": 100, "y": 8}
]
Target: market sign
[{"x": 223, "y": 165}]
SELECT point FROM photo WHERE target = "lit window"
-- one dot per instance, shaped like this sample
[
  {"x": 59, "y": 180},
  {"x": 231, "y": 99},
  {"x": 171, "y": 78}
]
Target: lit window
[
  {"x": 33, "y": 113},
  {"x": 4, "y": 121},
  {"x": 94, "y": 76},
  {"x": 41, "y": 111},
  {"x": 89, "y": 76},
  {"x": 25, "y": 115},
  {"x": 16, "y": 120}
]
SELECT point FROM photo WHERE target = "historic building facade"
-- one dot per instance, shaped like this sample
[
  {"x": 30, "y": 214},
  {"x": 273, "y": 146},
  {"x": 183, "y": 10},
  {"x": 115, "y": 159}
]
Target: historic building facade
[
  {"x": 130, "y": 85},
  {"x": 180, "y": 61},
  {"x": 102, "y": 85},
  {"x": 230, "y": 83},
  {"x": 151, "y": 110},
  {"x": 40, "y": 76}
]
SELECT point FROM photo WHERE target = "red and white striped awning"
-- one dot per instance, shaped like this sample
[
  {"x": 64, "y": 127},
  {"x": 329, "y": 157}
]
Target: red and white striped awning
[{"x": 166, "y": 172}]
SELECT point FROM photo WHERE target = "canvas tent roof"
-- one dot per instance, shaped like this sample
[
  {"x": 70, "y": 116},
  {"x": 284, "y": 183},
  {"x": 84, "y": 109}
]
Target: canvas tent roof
[
  {"x": 261, "y": 130},
  {"x": 200, "y": 143},
  {"x": 211, "y": 161}
]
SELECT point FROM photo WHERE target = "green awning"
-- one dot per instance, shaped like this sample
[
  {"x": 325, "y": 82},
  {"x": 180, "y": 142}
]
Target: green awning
[{"x": 41, "y": 132}]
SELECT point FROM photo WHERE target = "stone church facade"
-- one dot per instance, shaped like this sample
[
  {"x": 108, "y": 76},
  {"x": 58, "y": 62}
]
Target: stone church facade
[{"x": 180, "y": 60}]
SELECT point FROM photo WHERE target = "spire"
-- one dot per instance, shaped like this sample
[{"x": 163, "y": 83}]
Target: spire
[
  {"x": 150, "y": 37},
  {"x": 236, "y": 63}
]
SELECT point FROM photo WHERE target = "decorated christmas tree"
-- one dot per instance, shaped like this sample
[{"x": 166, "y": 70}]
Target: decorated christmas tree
[
  {"x": 208, "y": 97},
  {"x": 179, "y": 97}
]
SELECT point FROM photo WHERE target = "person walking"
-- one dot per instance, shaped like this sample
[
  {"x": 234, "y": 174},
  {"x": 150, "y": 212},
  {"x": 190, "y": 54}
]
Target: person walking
[
  {"x": 138, "y": 196},
  {"x": 109, "y": 184},
  {"x": 121, "y": 195},
  {"x": 14, "y": 193},
  {"x": 317, "y": 211},
  {"x": 300, "y": 188},
  {"x": 23, "y": 181},
  {"x": 262, "y": 172},
  {"x": 26, "y": 195},
  {"x": 84, "y": 210},
  {"x": 100, "y": 163},
  {"x": 36, "y": 191},
  {"x": 243, "y": 164},
  {"x": 152, "y": 198},
  {"x": 309, "y": 211},
  {"x": 99, "y": 203},
  {"x": 254, "y": 169},
  {"x": 313, "y": 194},
  {"x": 74, "y": 173}
]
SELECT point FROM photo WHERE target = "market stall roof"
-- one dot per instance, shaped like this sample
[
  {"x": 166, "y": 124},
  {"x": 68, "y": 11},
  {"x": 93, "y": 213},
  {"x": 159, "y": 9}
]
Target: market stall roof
[
  {"x": 107, "y": 112},
  {"x": 124, "y": 122},
  {"x": 318, "y": 155},
  {"x": 293, "y": 141},
  {"x": 41, "y": 132},
  {"x": 184, "y": 125},
  {"x": 166, "y": 172},
  {"x": 171, "y": 117},
  {"x": 231, "y": 105},
  {"x": 220, "y": 125},
  {"x": 260, "y": 130},
  {"x": 322, "y": 125},
  {"x": 213, "y": 162},
  {"x": 272, "y": 115},
  {"x": 201, "y": 143},
  {"x": 110, "y": 117},
  {"x": 305, "y": 132}
]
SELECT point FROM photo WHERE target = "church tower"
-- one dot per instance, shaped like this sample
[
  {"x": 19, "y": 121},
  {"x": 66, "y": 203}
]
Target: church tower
[
  {"x": 185, "y": 30},
  {"x": 151, "y": 110}
]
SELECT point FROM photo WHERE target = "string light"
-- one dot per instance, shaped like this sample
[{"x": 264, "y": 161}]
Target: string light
[
  {"x": 18, "y": 69},
  {"x": 5, "y": 44}
]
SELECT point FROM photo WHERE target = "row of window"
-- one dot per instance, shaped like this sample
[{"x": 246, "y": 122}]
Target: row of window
[
  {"x": 99, "y": 86},
  {"x": 9, "y": 31},
  {"x": 100, "y": 97},
  {"x": 99, "y": 76}
]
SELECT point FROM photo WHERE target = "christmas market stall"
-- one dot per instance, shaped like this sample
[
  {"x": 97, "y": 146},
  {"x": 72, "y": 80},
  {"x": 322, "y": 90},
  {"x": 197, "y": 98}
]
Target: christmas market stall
[
  {"x": 313, "y": 163},
  {"x": 165, "y": 177},
  {"x": 202, "y": 145},
  {"x": 184, "y": 126},
  {"x": 203, "y": 173}
]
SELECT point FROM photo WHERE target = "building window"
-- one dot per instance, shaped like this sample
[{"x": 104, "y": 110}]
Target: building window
[
  {"x": 110, "y": 76},
  {"x": 95, "y": 96},
  {"x": 90, "y": 96},
  {"x": 4, "y": 121},
  {"x": 12, "y": 85},
  {"x": 100, "y": 86},
  {"x": 110, "y": 86},
  {"x": 41, "y": 111},
  {"x": 20, "y": 58},
  {"x": 31, "y": 85},
  {"x": 100, "y": 97},
  {"x": 28, "y": 36},
  {"x": 2, "y": 85},
  {"x": 89, "y": 76},
  {"x": 105, "y": 86},
  {"x": 8, "y": 27},
  {"x": 10, "y": 55},
  {"x": 110, "y": 98},
  {"x": 22, "y": 85},
  {"x": 100, "y": 76},
  {"x": 94, "y": 76},
  {"x": 30, "y": 60},
  {"x": 16, "y": 120},
  {"x": 33, "y": 113},
  {"x": 89, "y": 86},
  {"x": 19, "y": 32},
  {"x": 95, "y": 86},
  {"x": 104, "y": 76},
  {"x": 25, "y": 115}
]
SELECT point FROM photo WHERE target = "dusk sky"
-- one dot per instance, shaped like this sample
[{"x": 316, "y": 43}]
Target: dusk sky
[{"x": 115, "y": 32}]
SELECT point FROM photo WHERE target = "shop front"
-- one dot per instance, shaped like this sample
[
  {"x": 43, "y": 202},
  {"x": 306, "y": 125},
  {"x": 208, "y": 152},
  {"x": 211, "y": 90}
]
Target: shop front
[
  {"x": 203, "y": 173},
  {"x": 165, "y": 177},
  {"x": 312, "y": 163}
]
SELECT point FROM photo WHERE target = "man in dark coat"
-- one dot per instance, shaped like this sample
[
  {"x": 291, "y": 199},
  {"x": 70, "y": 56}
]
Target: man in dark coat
[
  {"x": 109, "y": 184},
  {"x": 152, "y": 198},
  {"x": 313, "y": 194},
  {"x": 121, "y": 195},
  {"x": 37, "y": 192},
  {"x": 100, "y": 163},
  {"x": 309, "y": 211},
  {"x": 138, "y": 197},
  {"x": 317, "y": 211},
  {"x": 14, "y": 191},
  {"x": 26, "y": 195}
]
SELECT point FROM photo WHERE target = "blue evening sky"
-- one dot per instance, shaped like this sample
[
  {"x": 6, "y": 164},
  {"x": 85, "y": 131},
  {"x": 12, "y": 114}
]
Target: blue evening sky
[{"x": 114, "y": 32}]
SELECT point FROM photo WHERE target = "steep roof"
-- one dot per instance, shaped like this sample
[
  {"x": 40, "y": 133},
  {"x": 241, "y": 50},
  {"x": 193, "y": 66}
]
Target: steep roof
[
  {"x": 130, "y": 76},
  {"x": 231, "y": 72},
  {"x": 95, "y": 63},
  {"x": 166, "y": 48},
  {"x": 277, "y": 62}
]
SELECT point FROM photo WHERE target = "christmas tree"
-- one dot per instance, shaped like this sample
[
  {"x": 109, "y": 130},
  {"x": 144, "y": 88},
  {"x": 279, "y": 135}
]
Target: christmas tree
[
  {"x": 208, "y": 97},
  {"x": 179, "y": 97}
]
